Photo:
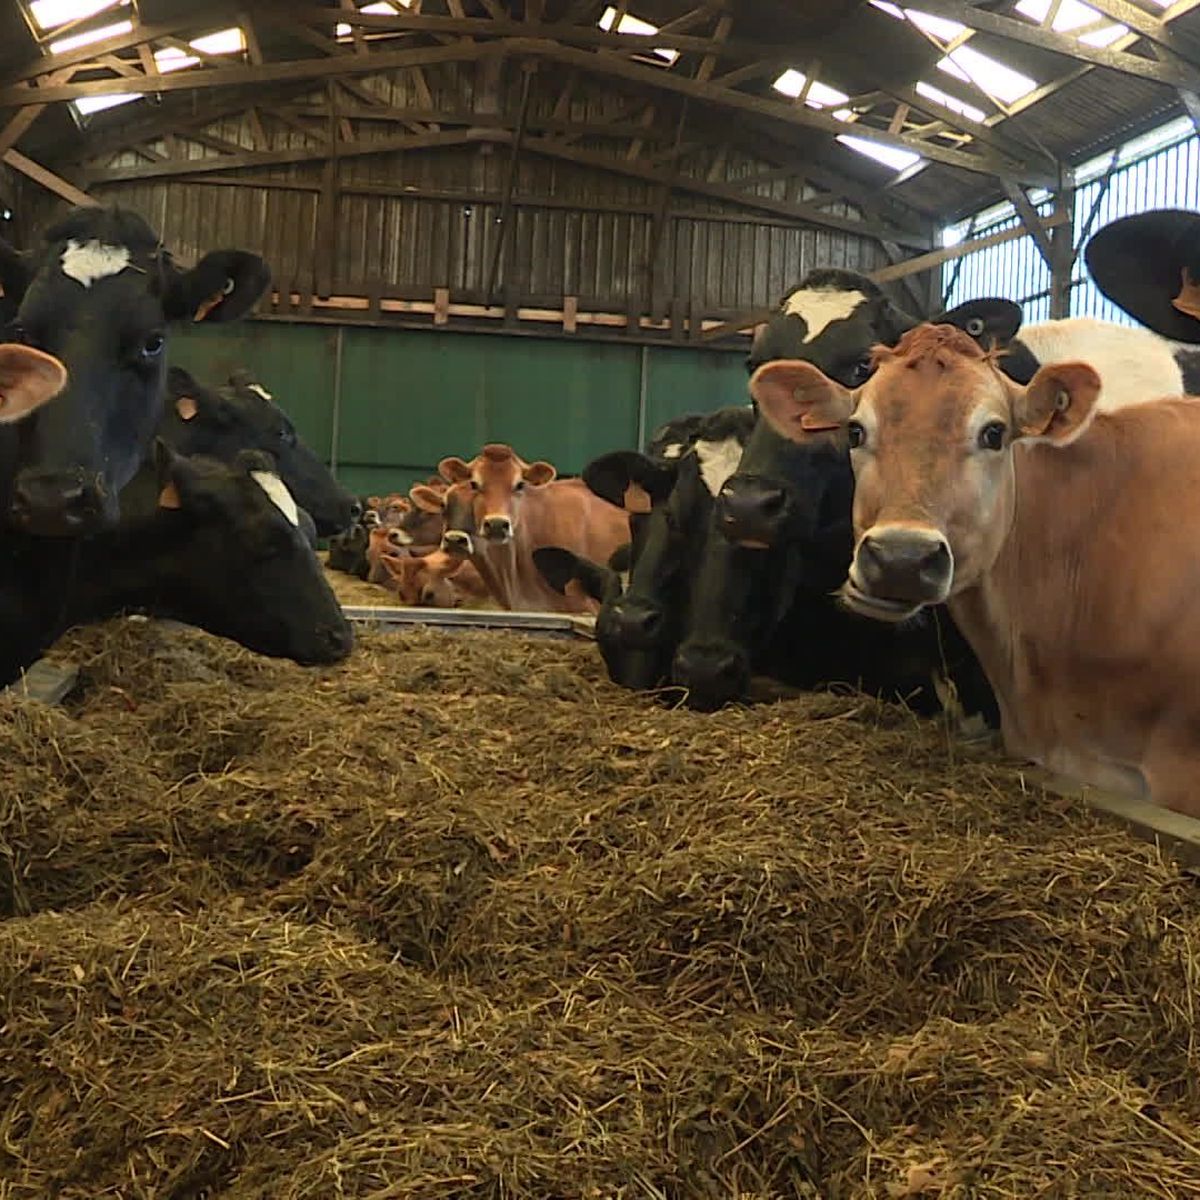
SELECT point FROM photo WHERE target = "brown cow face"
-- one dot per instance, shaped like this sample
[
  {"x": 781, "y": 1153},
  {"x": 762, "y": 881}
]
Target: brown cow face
[
  {"x": 498, "y": 478},
  {"x": 931, "y": 436}
]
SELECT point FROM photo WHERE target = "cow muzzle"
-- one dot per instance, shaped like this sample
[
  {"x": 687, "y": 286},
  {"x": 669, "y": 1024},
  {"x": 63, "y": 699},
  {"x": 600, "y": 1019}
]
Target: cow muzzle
[
  {"x": 712, "y": 674},
  {"x": 456, "y": 541},
  {"x": 496, "y": 529},
  {"x": 62, "y": 503},
  {"x": 750, "y": 512},
  {"x": 898, "y": 569},
  {"x": 635, "y": 623}
]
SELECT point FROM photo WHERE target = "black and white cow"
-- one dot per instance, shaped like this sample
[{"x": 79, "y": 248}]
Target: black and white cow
[
  {"x": 242, "y": 415},
  {"x": 100, "y": 294},
  {"x": 669, "y": 500},
  {"x": 215, "y": 545}
]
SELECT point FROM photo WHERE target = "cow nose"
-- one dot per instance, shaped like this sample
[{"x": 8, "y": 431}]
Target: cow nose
[
  {"x": 60, "y": 504},
  {"x": 712, "y": 675},
  {"x": 750, "y": 512},
  {"x": 496, "y": 529},
  {"x": 912, "y": 565},
  {"x": 455, "y": 541},
  {"x": 637, "y": 624}
]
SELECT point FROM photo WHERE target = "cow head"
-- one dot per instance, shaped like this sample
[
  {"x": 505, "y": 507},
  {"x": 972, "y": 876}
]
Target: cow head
[
  {"x": 931, "y": 438},
  {"x": 782, "y": 491},
  {"x": 246, "y": 571},
  {"x": 498, "y": 477},
  {"x": 242, "y": 415},
  {"x": 100, "y": 295}
]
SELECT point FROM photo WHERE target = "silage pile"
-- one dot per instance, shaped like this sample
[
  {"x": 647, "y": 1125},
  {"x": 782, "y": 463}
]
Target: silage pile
[{"x": 459, "y": 919}]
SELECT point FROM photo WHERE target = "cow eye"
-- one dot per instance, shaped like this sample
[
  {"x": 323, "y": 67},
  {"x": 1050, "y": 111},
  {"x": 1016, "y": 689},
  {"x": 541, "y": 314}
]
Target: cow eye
[
  {"x": 287, "y": 436},
  {"x": 975, "y": 326},
  {"x": 520, "y": 487},
  {"x": 474, "y": 486},
  {"x": 153, "y": 346},
  {"x": 856, "y": 433},
  {"x": 991, "y": 436}
]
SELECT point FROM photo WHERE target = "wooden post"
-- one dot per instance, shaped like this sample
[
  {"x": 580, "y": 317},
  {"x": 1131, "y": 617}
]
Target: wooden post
[{"x": 1062, "y": 251}]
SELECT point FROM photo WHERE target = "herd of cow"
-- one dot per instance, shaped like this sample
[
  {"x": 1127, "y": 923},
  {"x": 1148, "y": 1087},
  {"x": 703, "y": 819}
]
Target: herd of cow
[{"x": 961, "y": 512}]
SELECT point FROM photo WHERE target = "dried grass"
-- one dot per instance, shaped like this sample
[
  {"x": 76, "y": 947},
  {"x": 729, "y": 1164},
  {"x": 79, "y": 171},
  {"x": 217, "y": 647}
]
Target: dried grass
[{"x": 460, "y": 919}]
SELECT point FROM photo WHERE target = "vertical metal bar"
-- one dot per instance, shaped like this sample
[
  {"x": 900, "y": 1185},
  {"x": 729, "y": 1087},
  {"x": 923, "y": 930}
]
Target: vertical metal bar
[
  {"x": 643, "y": 374},
  {"x": 335, "y": 432}
]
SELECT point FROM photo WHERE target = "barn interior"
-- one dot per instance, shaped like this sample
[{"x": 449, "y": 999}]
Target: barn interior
[{"x": 458, "y": 916}]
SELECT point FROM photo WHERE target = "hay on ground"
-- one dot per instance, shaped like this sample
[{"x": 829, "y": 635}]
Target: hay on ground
[{"x": 460, "y": 919}]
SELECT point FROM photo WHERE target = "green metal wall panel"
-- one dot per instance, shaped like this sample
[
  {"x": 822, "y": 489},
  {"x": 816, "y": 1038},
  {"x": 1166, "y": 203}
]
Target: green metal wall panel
[
  {"x": 682, "y": 381},
  {"x": 295, "y": 363},
  {"x": 410, "y": 397}
]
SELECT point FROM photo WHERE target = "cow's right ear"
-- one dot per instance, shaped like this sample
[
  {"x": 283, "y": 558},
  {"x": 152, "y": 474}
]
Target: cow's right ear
[
  {"x": 454, "y": 470},
  {"x": 797, "y": 400},
  {"x": 28, "y": 379},
  {"x": 631, "y": 480},
  {"x": 426, "y": 499}
]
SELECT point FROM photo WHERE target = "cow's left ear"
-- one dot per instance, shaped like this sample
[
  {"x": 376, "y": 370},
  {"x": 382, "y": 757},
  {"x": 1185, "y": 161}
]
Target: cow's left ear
[
  {"x": 223, "y": 286},
  {"x": 1058, "y": 404},
  {"x": 797, "y": 400},
  {"x": 538, "y": 473}
]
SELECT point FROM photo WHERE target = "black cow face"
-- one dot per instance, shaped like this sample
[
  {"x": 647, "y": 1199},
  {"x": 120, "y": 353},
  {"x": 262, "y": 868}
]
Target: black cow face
[
  {"x": 100, "y": 296},
  {"x": 235, "y": 561},
  {"x": 243, "y": 416}
]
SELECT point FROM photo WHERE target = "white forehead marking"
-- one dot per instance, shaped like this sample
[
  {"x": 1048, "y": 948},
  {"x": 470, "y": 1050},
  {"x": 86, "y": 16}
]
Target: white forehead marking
[
  {"x": 278, "y": 494},
  {"x": 818, "y": 309},
  {"x": 88, "y": 261},
  {"x": 674, "y": 450},
  {"x": 718, "y": 460},
  {"x": 259, "y": 390}
]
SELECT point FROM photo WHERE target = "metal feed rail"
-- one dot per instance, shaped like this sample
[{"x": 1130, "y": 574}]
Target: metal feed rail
[{"x": 392, "y": 620}]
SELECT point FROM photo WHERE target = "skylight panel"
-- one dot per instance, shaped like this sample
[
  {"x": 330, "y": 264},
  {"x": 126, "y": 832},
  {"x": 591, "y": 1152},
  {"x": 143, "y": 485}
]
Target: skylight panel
[
  {"x": 892, "y": 10},
  {"x": 1073, "y": 15},
  {"x": 791, "y": 83},
  {"x": 86, "y": 105},
  {"x": 382, "y": 8},
  {"x": 631, "y": 24},
  {"x": 990, "y": 76},
  {"x": 951, "y": 102},
  {"x": 940, "y": 27},
  {"x": 225, "y": 41},
  {"x": 62, "y": 45},
  {"x": 890, "y": 156},
  {"x": 50, "y": 14}
]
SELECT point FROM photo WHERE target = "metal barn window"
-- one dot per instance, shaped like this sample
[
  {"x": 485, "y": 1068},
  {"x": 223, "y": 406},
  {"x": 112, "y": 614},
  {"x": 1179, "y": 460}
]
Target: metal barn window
[{"x": 1144, "y": 174}]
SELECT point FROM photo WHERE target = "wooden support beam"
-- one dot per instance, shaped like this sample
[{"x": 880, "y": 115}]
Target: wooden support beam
[
  {"x": 982, "y": 162},
  {"x": 48, "y": 180},
  {"x": 284, "y": 72},
  {"x": 1028, "y": 34},
  {"x": 1030, "y": 219}
]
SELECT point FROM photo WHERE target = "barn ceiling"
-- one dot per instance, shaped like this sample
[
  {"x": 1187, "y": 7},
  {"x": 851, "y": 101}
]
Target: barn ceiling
[{"x": 914, "y": 116}]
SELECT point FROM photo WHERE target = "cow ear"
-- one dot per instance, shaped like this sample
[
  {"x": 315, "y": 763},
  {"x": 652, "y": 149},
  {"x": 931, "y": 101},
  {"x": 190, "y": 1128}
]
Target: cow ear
[
  {"x": 454, "y": 470},
  {"x": 631, "y": 480},
  {"x": 426, "y": 499},
  {"x": 1058, "y": 404},
  {"x": 538, "y": 473},
  {"x": 167, "y": 464},
  {"x": 223, "y": 286},
  {"x": 990, "y": 321},
  {"x": 797, "y": 400},
  {"x": 28, "y": 379}
]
